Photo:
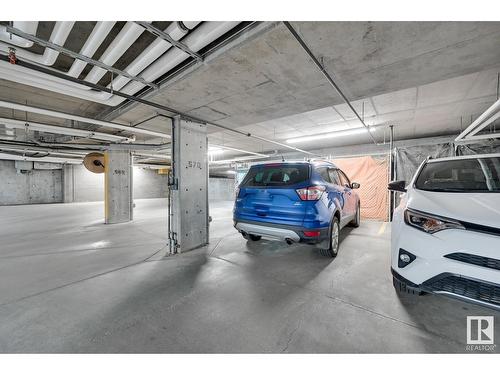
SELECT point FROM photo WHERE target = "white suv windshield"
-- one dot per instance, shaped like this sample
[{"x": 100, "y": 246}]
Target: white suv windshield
[{"x": 463, "y": 176}]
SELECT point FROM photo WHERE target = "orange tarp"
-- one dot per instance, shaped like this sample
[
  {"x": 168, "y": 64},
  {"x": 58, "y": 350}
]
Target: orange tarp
[{"x": 372, "y": 175}]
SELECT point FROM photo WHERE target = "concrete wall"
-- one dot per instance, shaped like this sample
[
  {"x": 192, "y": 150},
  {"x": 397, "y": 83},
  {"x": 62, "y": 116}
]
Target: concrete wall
[
  {"x": 149, "y": 184},
  {"x": 221, "y": 189},
  {"x": 34, "y": 186},
  {"x": 74, "y": 183},
  {"x": 89, "y": 187}
]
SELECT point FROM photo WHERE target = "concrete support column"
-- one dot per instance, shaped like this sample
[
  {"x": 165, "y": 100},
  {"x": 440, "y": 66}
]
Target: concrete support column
[
  {"x": 188, "y": 221},
  {"x": 68, "y": 183},
  {"x": 118, "y": 205}
]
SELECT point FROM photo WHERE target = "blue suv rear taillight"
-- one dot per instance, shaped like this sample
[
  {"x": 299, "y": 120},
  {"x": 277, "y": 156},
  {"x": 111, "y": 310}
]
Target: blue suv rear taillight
[{"x": 311, "y": 193}]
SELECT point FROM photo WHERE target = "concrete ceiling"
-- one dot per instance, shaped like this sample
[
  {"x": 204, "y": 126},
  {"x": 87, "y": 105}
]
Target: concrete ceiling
[
  {"x": 421, "y": 77},
  {"x": 439, "y": 108},
  {"x": 270, "y": 76}
]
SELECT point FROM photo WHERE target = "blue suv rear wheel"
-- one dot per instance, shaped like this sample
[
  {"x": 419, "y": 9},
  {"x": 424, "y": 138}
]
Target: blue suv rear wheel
[{"x": 333, "y": 248}]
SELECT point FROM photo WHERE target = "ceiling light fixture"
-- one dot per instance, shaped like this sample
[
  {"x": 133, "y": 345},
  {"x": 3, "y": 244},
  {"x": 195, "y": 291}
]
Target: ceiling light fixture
[
  {"x": 237, "y": 150},
  {"x": 335, "y": 134},
  {"x": 234, "y": 160},
  {"x": 214, "y": 151}
]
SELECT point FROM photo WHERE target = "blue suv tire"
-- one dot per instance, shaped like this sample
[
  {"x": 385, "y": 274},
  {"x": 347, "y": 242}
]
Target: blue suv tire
[{"x": 333, "y": 248}]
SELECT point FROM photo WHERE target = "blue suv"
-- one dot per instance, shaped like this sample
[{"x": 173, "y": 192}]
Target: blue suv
[{"x": 306, "y": 202}]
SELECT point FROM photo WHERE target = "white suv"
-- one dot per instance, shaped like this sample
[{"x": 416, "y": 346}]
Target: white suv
[{"x": 446, "y": 230}]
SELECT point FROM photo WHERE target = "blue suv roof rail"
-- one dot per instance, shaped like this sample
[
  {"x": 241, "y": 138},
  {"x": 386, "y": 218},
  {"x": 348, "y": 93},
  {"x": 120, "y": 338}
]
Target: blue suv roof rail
[{"x": 316, "y": 160}]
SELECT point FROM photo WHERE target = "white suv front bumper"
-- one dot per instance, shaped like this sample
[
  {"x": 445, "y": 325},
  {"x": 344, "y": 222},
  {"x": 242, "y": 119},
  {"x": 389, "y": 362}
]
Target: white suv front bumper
[{"x": 472, "y": 275}]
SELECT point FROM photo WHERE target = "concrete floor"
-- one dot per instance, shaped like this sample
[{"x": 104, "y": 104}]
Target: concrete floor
[{"x": 68, "y": 283}]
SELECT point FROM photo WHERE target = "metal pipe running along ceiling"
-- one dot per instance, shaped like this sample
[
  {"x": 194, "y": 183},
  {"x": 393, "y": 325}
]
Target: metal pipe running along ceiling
[
  {"x": 157, "y": 59},
  {"x": 78, "y": 56},
  {"x": 140, "y": 101},
  {"x": 215, "y": 26},
  {"x": 53, "y": 129},
  {"x": 63, "y": 115},
  {"x": 326, "y": 74}
]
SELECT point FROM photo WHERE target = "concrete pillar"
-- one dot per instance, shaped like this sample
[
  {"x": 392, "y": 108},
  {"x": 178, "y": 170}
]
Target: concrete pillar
[
  {"x": 188, "y": 221},
  {"x": 68, "y": 183},
  {"x": 118, "y": 206}
]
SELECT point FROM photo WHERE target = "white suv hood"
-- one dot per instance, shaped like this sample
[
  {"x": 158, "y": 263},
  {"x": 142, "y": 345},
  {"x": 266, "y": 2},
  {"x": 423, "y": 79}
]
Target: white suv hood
[{"x": 477, "y": 208}]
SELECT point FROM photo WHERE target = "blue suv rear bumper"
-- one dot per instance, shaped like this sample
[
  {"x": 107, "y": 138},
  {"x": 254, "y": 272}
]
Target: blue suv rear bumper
[{"x": 298, "y": 230}]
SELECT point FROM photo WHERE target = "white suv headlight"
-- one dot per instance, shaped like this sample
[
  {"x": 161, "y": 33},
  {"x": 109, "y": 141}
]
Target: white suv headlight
[{"x": 430, "y": 223}]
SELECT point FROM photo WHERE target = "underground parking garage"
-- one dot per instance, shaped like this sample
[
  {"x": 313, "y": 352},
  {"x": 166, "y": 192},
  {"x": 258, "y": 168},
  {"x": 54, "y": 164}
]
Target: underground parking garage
[{"x": 249, "y": 187}]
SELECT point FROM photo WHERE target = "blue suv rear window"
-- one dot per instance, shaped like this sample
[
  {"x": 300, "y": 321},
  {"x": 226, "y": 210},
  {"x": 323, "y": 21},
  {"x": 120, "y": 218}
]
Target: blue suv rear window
[{"x": 276, "y": 175}]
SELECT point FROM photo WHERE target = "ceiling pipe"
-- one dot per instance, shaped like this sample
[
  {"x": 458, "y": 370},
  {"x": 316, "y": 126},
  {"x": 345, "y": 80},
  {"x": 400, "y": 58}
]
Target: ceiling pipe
[
  {"x": 103, "y": 147},
  {"x": 125, "y": 38},
  {"x": 99, "y": 33},
  {"x": 76, "y": 55},
  {"x": 165, "y": 36},
  {"x": 48, "y": 112},
  {"x": 152, "y": 104},
  {"x": 95, "y": 39},
  {"x": 45, "y": 159},
  {"x": 46, "y": 128},
  {"x": 202, "y": 36},
  {"x": 21, "y": 150},
  {"x": 38, "y": 76},
  {"x": 49, "y": 56},
  {"x": 22, "y": 69},
  {"x": 152, "y": 53},
  {"x": 78, "y": 149},
  {"x": 244, "y": 33},
  {"x": 199, "y": 38},
  {"x": 171, "y": 110},
  {"x": 26, "y": 26},
  {"x": 326, "y": 74},
  {"x": 61, "y": 158}
]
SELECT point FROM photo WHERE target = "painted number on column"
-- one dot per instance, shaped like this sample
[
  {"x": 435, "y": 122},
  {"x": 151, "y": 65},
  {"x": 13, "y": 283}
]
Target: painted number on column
[{"x": 193, "y": 164}]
